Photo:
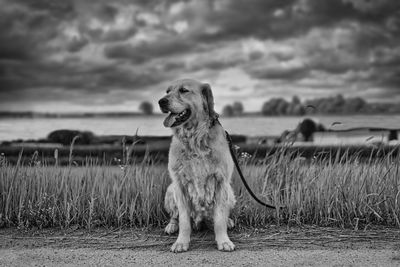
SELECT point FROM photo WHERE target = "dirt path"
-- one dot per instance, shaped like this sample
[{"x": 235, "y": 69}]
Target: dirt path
[{"x": 272, "y": 246}]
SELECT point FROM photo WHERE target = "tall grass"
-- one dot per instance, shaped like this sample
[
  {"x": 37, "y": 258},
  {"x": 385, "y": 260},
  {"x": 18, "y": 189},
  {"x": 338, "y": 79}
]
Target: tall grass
[
  {"x": 336, "y": 191},
  {"x": 93, "y": 195},
  {"x": 341, "y": 191}
]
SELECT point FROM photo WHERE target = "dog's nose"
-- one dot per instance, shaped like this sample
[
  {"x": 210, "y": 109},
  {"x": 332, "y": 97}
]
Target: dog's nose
[{"x": 163, "y": 102}]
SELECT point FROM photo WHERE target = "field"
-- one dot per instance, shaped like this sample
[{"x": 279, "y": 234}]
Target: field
[
  {"x": 340, "y": 191},
  {"x": 335, "y": 209}
]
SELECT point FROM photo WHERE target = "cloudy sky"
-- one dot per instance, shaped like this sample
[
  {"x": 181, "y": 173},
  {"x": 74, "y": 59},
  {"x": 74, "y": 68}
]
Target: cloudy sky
[{"x": 88, "y": 55}]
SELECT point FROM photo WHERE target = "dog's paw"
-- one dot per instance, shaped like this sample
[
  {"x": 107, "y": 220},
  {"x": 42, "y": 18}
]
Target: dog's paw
[
  {"x": 178, "y": 247},
  {"x": 226, "y": 245},
  {"x": 231, "y": 224},
  {"x": 171, "y": 228}
]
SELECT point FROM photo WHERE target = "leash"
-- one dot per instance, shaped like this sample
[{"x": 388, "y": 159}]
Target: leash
[{"x": 229, "y": 139}]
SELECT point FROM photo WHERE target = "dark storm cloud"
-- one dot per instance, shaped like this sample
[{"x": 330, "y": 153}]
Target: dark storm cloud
[
  {"x": 76, "y": 44},
  {"x": 173, "y": 65},
  {"x": 337, "y": 47},
  {"x": 98, "y": 35},
  {"x": 146, "y": 51},
  {"x": 56, "y": 9},
  {"x": 213, "y": 65},
  {"x": 216, "y": 63},
  {"x": 292, "y": 73},
  {"x": 107, "y": 12},
  {"x": 386, "y": 57},
  {"x": 132, "y": 45},
  {"x": 26, "y": 27},
  {"x": 18, "y": 76},
  {"x": 235, "y": 19},
  {"x": 278, "y": 20},
  {"x": 59, "y": 75},
  {"x": 375, "y": 9},
  {"x": 22, "y": 33},
  {"x": 28, "y": 30},
  {"x": 387, "y": 77},
  {"x": 132, "y": 80},
  {"x": 270, "y": 19}
]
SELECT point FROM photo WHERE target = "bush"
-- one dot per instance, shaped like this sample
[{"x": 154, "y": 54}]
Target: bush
[
  {"x": 307, "y": 128},
  {"x": 146, "y": 107},
  {"x": 237, "y": 108},
  {"x": 227, "y": 111},
  {"x": 65, "y": 137}
]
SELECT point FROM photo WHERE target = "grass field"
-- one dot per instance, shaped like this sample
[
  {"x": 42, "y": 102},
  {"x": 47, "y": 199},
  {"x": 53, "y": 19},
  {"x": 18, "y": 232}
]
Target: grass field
[{"x": 330, "y": 191}]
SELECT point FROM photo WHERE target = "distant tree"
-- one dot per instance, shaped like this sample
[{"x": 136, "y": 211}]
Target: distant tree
[
  {"x": 275, "y": 106},
  {"x": 268, "y": 108},
  {"x": 354, "y": 105},
  {"x": 237, "y": 108},
  {"x": 296, "y": 100},
  {"x": 295, "y": 108},
  {"x": 282, "y": 107},
  {"x": 339, "y": 100},
  {"x": 228, "y": 111},
  {"x": 298, "y": 110},
  {"x": 338, "y": 105},
  {"x": 146, "y": 108},
  {"x": 327, "y": 105},
  {"x": 333, "y": 105}
]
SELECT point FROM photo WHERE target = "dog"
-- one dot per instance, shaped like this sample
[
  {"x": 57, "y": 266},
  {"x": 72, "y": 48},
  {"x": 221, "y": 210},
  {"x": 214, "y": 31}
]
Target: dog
[{"x": 199, "y": 164}]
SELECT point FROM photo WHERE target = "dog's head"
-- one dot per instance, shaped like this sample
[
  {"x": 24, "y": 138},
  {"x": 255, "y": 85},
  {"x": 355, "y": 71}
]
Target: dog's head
[{"x": 187, "y": 100}]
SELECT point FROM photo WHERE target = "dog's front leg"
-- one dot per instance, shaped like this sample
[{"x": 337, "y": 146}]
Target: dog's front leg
[
  {"x": 182, "y": 242},
  {"x": 221, "y": 216}
]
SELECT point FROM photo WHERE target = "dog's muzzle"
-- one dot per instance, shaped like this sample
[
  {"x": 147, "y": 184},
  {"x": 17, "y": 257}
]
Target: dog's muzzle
[{"x": 174, "y": 118}]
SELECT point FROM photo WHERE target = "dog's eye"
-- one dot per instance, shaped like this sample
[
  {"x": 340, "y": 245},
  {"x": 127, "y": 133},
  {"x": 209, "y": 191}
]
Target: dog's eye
[{"x": 183, "y": 90}]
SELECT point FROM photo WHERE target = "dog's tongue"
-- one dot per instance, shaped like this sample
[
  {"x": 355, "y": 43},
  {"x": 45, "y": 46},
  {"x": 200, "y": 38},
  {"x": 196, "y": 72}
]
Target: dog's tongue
[{"x": 170, "y": 120}]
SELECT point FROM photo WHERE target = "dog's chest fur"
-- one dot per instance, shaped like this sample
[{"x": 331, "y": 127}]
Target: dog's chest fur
[
  {"x": 197, "y": 175},
  {"x": 199, "y": 172}
]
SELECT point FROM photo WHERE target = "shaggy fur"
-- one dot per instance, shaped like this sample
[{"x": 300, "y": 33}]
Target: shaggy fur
[{"x": 200, "y": 166}]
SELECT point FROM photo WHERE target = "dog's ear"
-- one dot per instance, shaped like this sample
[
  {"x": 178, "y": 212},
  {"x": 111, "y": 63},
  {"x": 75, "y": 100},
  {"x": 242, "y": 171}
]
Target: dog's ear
[{"x": 208, "y": 103}]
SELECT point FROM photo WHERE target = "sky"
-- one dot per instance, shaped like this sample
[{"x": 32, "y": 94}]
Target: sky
[{"x": 101, "y": 56}]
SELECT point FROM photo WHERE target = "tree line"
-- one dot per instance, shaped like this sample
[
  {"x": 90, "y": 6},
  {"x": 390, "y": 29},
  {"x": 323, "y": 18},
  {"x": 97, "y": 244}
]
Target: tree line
[{"x": 334, "y": 105}]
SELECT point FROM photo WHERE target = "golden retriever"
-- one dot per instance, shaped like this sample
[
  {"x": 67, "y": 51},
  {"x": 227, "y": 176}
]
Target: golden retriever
[{"x": 199, "y": 164}]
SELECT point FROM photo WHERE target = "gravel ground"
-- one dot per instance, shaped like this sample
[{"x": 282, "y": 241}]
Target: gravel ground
[
  {"x": 272, "y": 246},
  {"x": 244, "y": 257}
]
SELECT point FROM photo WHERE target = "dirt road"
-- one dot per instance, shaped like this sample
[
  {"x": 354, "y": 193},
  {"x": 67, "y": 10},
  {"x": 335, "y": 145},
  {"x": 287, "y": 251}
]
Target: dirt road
[{"x": 274, "y": 246}]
